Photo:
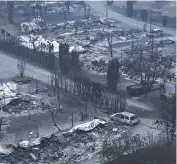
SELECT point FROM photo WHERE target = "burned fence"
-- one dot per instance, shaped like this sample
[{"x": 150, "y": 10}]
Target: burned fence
[
  {"x": 89, "y": 91},
  {"x": 42, "y": 58}
]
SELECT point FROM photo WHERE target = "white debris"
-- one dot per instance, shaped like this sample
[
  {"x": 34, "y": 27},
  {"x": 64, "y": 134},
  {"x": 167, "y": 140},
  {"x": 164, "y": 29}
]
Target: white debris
[
  {"x": 87, "y": 126},
  {"x": 35, "y": 24},
  {"x": 5, "y": 150},
  {"x": 36, "y": 142},
  {"x": 25, "y": 144},
  {"x": 39, "y": 40},
  {"x": 122, "y": 38},
  {"x": 114, "y": 129},
  {"x": 76, "y": 48},
  {"x": 106, "y": 21},
  {"x": 30, "y": 133},
  {"x": 33, "y": 157},
  {"x": 7, "y": 93}
]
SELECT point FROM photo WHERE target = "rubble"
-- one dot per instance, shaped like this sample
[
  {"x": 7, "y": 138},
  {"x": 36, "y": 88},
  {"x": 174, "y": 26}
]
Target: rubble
[
  {"x": 27, "y": 103},
  {"x": 37, "y": 24},
  {"x": 69, "y": 148},
  {"x": 85, "y": 127},
  {"x": 6, "y": 149},
  {"x": 33, "y": 157},
  {"x": 24, "y": 144},
  {"x": 166, "y": 42},
  {"x": 7, "y": 93}
]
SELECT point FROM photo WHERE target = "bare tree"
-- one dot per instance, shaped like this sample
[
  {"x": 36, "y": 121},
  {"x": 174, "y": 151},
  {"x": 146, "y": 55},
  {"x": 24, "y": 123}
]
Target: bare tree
[
  {"x": 168, "y": 116},
  {"x": 21, "y": 67},
  {"x": 35, "y": 34},
  {"x": 33, "y": 38},
  {"x": 149, "y": 66},
  {"x": 53, "y": 113}
]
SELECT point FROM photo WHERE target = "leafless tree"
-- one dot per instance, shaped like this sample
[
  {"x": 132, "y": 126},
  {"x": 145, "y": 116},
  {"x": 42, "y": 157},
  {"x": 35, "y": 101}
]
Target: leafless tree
[
  {"x": 35, "y": 35},
  {"x": 21, "y": 67},
  {"x": 33, "y": 38},
  {"x": 148, "y": 66},
  {"x": 53, "y": 113},
  {"x": 168, "y": 116}
]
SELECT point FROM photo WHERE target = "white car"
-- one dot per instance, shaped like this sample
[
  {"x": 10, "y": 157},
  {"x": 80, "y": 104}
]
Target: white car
[{"x": 125, "y": 117}]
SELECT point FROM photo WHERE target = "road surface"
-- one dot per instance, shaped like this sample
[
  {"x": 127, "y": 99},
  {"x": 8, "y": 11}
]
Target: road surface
[{"x": 99, "y": 8}]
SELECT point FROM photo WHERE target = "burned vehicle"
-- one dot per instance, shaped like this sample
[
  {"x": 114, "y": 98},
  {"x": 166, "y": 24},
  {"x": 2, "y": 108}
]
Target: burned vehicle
[{"x": 155, "y": 33}]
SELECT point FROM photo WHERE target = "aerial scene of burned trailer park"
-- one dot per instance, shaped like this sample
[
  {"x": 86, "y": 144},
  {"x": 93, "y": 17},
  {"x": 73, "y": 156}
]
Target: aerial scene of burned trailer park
[{"x": 88, "y": 82}]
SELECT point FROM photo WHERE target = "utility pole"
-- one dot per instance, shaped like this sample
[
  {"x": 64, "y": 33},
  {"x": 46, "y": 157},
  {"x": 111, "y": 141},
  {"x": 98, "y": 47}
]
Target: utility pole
[
  {"x": 65, "y": 16},
  {"x": 121, "y": 58},
  {"x": 107, "y": 17},
  {"x": 132, "y": 46},
  {"x": 72, "y": 119}
]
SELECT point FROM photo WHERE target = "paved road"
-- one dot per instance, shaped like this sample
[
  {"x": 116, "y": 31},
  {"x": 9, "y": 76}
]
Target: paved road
[{"x": 100, "y": 9}]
